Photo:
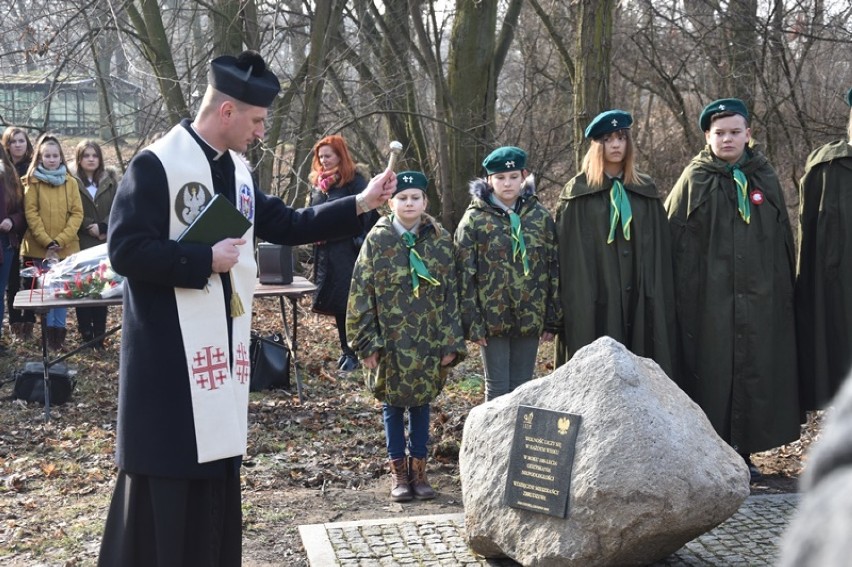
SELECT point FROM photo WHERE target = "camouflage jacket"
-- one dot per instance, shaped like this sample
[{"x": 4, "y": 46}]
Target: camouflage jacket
[
  {"x": 496, "y": 298},
  {"x": 410, "y": 333}
]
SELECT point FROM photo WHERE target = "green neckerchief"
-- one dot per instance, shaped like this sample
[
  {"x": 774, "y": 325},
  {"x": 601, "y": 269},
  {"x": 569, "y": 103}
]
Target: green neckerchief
[
  {"x": 619, "y": 210},
  {"x": 741, "y": 181},
  {"x": 416, "y": 266},
  {"x": 519, "y": 246}
]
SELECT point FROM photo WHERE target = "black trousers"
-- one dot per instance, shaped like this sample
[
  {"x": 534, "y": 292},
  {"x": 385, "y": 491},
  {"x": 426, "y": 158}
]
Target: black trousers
[
  {"x": 168, "y": 522},
  {"x": 91, "y": 321}
]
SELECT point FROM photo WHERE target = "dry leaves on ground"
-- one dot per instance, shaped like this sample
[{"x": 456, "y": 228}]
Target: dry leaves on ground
[{"x": 315, "y": 461}]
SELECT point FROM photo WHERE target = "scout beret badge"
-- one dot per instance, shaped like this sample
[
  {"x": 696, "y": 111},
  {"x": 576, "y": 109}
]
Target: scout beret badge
[
  {"x": 608, "y": 121},
  {"x": 733, "y": 105},
  {"x": 505, "y": 158},
  {"x": 410, "y": 180}
]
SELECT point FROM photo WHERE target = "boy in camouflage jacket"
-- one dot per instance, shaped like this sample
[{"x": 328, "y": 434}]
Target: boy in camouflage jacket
[
  {"x": 402, "y": 321},
  {"x": 507, "y": 264}
]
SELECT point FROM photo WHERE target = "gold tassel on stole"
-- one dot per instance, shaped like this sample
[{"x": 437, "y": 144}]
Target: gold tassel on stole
[{"x": 237, "y": 308}]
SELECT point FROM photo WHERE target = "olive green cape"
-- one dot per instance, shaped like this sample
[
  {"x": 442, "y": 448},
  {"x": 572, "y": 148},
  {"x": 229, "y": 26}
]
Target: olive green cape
[
  {"x": 824, "y": 282},
  {"x": 625, "y": 289},
  {"x": 734, "y": 294}
]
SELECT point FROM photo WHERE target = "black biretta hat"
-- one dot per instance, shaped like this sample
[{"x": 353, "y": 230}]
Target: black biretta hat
[{"x": 245, "y": 78}]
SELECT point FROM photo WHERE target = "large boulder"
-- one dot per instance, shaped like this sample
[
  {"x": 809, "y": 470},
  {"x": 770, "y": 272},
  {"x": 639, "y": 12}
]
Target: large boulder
[
  {"x": 818, "y": 536},
  {"x": 649, "y": 472}
]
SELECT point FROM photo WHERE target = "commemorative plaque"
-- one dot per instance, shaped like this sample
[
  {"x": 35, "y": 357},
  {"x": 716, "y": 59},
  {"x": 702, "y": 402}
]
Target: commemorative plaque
[{"x": 540, "y": 462}]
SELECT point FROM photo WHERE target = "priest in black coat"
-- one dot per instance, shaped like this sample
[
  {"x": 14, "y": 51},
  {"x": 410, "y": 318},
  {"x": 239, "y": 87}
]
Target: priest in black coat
[{"x": 182, "y": 432}]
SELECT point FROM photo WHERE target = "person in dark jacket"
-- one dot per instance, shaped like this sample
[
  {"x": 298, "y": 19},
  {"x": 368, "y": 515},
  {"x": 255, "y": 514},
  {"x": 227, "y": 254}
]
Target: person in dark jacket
[
  {"x": 615, "y": 256},
  {"x": 824, "y": 281},
  {"x": 20, "y": 150},
  {"x": 98, "y": 184},
  {"x": 734, "y": 272},
  {"x": 335, "y": 176},
  {"x": 12, "y": 220},
  {"x": 184, "y": 366}
]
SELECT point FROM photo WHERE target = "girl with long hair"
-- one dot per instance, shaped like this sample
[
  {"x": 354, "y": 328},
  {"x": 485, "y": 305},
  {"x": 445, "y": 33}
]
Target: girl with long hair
[
  {"x": 98, "y": 184},
  {"x": 54, "y": 213},
  {"x": 615, "y": 251},
  {"x": 12, "y": 225},
  {"x": 19, "y": 148}
]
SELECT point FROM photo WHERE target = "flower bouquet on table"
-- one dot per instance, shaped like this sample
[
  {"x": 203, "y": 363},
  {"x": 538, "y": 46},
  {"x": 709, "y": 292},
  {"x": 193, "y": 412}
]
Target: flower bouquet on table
[{"x": 86, "y": 274}]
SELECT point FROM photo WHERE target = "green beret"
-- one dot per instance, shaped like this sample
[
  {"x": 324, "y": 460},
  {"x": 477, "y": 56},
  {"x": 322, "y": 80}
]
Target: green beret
[
  {"x": 410, "y": 180},
  {"x": 734, "y": 105},
  {"x": 849, "y": 97},
  {"x": 505, "y": 158},
  {"x": 608, "y": 121}
]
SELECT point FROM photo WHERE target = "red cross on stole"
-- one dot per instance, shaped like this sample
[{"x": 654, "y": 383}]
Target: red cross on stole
[{"x": 209, "y": 366}]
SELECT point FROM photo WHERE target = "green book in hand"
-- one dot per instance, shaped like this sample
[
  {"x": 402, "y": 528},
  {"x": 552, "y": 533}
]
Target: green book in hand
[{"x": 217, "y": 221}]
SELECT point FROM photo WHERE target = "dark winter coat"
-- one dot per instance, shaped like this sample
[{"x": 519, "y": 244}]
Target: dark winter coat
[
  {"x": 15, "y": 213},
  {"x": 156, "y": 433},
  {"x": 625, "y": 289},
  {"x": 824, "y": 283},
  {"x": 96, "y": 209},
  {"x": 334, "y": 259},
  {"x": 411, "y": 334},
  {"x": 734, "y": 295},
  {"x": 496, "y": 298}
]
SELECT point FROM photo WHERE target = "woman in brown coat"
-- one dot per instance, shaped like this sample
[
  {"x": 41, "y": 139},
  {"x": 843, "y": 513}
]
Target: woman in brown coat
[{"x": 97, "y": 192}]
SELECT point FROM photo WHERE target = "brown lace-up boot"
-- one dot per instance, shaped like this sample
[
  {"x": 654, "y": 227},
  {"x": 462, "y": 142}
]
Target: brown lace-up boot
[
  {"x": 417, "y": 476},
  {"x": 400, "y": 489}
]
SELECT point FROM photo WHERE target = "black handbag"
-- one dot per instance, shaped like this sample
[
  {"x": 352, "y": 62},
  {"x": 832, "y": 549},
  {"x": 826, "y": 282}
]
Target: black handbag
[
  {"x": 29, "y": 383},
  {"x": 270, "y": 363}
]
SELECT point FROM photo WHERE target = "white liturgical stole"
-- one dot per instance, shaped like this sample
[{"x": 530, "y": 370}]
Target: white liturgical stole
[{"x": 218, "y": 374}]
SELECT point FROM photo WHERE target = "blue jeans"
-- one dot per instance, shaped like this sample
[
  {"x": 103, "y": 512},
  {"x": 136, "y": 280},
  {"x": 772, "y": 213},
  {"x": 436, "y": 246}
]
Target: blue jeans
[
  {"x": 5, "y": 268},
  {"x": 56, "y": 316},
  {"x": 418, "y": 431}
]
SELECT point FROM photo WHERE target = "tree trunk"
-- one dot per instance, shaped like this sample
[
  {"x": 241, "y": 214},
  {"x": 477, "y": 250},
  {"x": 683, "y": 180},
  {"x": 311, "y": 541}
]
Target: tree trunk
[
  {"x": 741, "y": 80},
  {"x": 157, "y": 51},
  {"x": 441, "y": 190},
  {"x": 592, "y": 65},
  {"x": 326, "y": 19},
  {"x": 227, "y": 27}
]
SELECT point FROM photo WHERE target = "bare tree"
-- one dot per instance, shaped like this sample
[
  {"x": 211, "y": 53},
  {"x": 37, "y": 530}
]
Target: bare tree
[
  {"x": 451, "y": 80},
  {"x": 476, "y": 56},
  {"x": 593, "y": 57}
]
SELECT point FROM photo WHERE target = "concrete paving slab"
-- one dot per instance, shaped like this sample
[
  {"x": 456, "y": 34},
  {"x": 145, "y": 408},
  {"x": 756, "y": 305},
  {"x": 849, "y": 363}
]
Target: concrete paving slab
[{"x": 749, "y": 537}]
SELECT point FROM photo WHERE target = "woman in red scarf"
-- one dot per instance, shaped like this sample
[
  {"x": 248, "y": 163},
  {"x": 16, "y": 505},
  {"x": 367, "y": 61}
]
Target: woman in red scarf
[{"x": 334, "y": 176}]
